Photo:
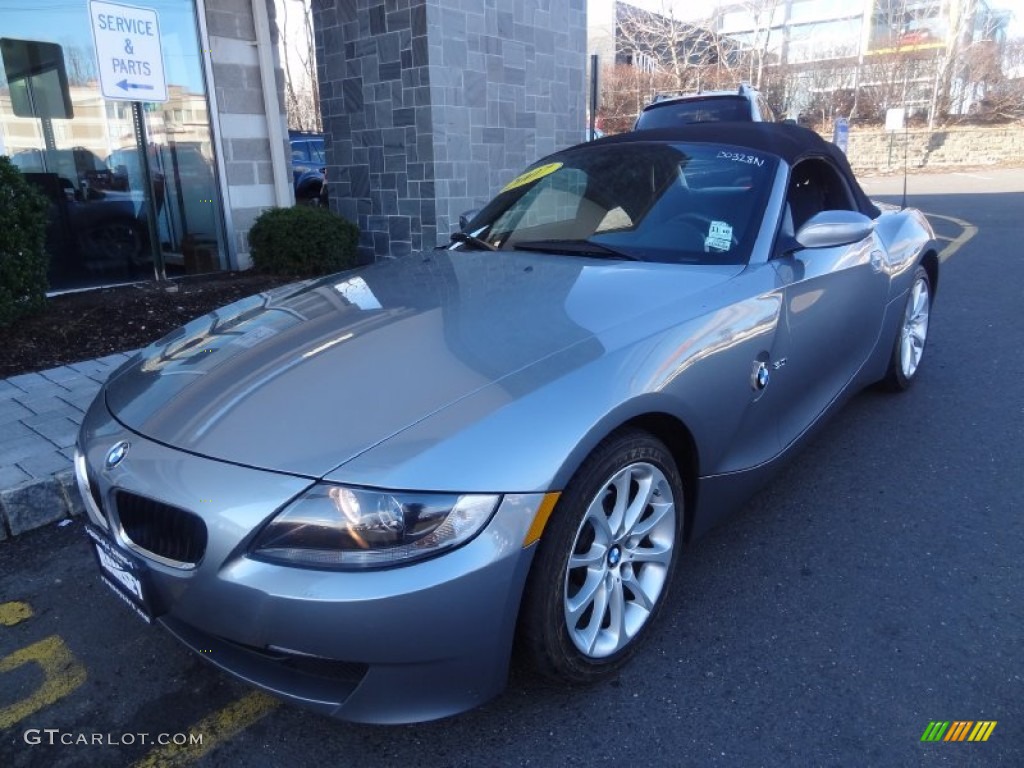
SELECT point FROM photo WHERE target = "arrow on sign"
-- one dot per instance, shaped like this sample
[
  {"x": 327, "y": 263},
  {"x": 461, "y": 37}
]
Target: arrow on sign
[{"x": 124, "y": 85}]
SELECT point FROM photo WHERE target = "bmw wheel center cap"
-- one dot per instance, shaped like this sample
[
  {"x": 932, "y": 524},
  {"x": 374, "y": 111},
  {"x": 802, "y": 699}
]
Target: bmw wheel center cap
[{"x": 116, "y": 454}]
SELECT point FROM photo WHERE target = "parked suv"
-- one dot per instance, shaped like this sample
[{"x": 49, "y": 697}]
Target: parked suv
[
  {"x": 745, "y": 104},
  {"x": 309, "y": 165}
]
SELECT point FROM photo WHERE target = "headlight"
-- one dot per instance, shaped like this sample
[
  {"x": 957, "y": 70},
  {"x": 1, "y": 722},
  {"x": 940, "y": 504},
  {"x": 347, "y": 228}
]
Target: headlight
[{"x": 334, "y": 526}]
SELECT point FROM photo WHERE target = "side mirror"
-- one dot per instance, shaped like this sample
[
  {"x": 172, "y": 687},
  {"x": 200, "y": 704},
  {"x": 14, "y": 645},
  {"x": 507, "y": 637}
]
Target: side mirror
[
  {"x": 466, "y": 217},
  {"x": 829, "y": 229}
]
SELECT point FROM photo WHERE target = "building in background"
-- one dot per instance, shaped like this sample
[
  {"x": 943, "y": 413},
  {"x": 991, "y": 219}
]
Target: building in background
[
  {"x": 624, "y": 34},
  {"x": 428, "y": 107},
  {"x": 213, "y": 151},
  {"x": 926, "y": 55},
  {"x": 643, "y": 53},
  {"x": 942, "y": 60}
]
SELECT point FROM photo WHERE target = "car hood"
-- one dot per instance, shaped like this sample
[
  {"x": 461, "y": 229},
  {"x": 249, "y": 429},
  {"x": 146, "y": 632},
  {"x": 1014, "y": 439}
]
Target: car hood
[{"x": 304, "y": 378}]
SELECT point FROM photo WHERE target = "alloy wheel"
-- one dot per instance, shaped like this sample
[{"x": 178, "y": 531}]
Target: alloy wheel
[
  {"x": 915, "y": 328},
  {"x": 620, "y": 560}
]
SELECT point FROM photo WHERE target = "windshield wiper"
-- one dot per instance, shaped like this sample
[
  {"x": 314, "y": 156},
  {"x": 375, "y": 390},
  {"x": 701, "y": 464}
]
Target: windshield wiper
[
  {"x": 468, "y": 239},
  {"x": 582, "y": 247}
]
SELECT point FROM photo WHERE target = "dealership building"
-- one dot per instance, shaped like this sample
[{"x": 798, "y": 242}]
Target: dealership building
[{"x": 156, "y": 128}]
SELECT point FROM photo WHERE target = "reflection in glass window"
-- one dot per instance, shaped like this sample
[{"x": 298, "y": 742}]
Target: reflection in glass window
[
  {"x": 36, "y": 78},
  {"x": 316, "y": 152},
  {"x": 87, "y": 162},
  {"x": 827, "y": 40}
]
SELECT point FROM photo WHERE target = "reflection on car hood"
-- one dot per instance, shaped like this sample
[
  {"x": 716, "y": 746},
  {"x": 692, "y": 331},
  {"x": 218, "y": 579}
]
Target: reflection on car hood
[{"x": 304, "y": 378}]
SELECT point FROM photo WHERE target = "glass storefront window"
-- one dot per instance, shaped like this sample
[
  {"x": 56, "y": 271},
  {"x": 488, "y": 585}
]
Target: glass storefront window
[{"x": 82, "y": 150}]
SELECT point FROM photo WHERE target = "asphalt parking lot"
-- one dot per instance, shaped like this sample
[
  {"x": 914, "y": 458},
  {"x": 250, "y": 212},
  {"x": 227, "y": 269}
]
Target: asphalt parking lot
[{"x": 872, "y": 589}]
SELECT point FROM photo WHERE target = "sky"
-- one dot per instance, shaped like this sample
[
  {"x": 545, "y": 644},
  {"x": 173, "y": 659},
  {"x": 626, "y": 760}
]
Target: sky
[{"x": 701, "y": 9}]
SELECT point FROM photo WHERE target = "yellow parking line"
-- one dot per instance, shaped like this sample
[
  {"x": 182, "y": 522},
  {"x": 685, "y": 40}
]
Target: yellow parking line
[
  {"x": 14, "y": 613},
  {"x": 62, "y": 674},
  {"x": 958, "y": 242},
  {"x": 214, "y": 729}
]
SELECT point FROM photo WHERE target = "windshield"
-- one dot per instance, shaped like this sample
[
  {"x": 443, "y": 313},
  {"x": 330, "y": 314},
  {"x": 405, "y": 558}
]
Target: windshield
[{"x": 651, "y": 201}]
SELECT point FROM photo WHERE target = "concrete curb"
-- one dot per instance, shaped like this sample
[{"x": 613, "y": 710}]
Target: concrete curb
[
  {"x": 39, "y": 502},
  {"x": 40, "y": 414}
]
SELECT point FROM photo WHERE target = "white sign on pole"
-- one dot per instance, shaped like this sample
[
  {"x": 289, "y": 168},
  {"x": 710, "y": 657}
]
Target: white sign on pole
[
  {"x": 128, "y": 52},
  {"x": 895, "y": 119}
]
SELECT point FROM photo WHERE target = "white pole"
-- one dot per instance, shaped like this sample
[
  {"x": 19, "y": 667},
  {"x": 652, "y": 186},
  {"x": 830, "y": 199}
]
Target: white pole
[{"x": 284, "y": 194}]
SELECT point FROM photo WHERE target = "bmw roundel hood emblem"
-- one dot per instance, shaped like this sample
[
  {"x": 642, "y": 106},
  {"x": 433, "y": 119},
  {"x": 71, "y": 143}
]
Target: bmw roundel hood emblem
[{"x": 116, "y": 454}]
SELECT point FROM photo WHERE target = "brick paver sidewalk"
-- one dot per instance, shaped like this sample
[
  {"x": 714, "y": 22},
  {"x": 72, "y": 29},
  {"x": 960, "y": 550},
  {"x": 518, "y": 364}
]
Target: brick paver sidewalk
[{"x": 39, "y": 418}]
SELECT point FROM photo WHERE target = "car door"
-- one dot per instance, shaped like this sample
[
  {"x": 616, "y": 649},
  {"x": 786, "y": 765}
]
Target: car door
[
  {"x": 834, "y": 300},
  {"x": 741, "y": 405}
]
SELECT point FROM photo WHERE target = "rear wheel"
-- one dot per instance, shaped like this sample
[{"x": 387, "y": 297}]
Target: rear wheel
[
  {"x": 603, "y": 568},
  {"x": 908, "y": 350}
]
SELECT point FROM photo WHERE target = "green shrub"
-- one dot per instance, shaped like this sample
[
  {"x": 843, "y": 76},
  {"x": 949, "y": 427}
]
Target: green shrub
[
  {"x": 22, "y": 245},
  {"x": 302, "y": 241}
]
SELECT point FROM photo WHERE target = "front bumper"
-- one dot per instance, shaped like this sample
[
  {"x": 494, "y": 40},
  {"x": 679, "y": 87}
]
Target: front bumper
[{"x": 403, "y": 644}]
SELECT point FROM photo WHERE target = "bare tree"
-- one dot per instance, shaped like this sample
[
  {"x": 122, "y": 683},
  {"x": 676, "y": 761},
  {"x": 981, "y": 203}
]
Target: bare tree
[
  {"x": 939, "y": 67},
  {"x": 996, "y": 81},
  {"x": 625, "y": 90},
  {"x": 949, "y": 67},
  {"x": 820, "y": 91},
  {"x": 946, "y": 69},
  {"x": 298, "y": 57},
  {"x": 885, "y": 82},
  {"x": 694, "y": 56},
  {"x": 80, "y": 63},
  {"x": 762, "y": 40}
]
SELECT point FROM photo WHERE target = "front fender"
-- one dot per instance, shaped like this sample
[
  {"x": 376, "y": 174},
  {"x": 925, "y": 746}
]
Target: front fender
[{"x": 529, "y": 432}]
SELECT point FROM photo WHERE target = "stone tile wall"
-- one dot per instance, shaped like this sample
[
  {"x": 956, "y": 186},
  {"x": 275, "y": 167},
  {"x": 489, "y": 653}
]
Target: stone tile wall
[
  {"x": 432, "y": 105},
  {"x": 873, "y": 150},
  {"x": 375, "y": 103}
]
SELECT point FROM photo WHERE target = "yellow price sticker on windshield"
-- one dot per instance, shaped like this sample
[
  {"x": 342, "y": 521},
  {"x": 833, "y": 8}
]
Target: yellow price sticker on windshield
[{"x": 531, "y": 176}]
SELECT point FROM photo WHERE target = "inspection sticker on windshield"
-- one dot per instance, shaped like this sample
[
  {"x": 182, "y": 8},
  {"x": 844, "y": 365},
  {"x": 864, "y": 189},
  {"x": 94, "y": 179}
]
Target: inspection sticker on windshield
[
  {"x": 530, "y": 176},
  {"x": 719, "y": 237}
]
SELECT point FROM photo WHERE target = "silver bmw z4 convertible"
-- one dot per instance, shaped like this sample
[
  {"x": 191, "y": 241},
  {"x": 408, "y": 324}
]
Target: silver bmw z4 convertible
[{"x": 360, "y": 492}]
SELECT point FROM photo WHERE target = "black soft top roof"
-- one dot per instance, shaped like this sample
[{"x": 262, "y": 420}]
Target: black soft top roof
[{"x": 790, "y": 142}]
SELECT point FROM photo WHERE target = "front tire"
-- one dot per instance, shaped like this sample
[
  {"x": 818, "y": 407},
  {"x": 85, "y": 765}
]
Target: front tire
[
  {"x": 908, "y": 350},
  {"x": 603, "y": 567}
]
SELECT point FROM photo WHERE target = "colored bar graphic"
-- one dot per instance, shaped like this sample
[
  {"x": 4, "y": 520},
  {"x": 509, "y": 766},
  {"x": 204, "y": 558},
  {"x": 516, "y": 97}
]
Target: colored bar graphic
[
  {"x": 982, "y": 730},
  {"x": 958, "y": 730}
]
